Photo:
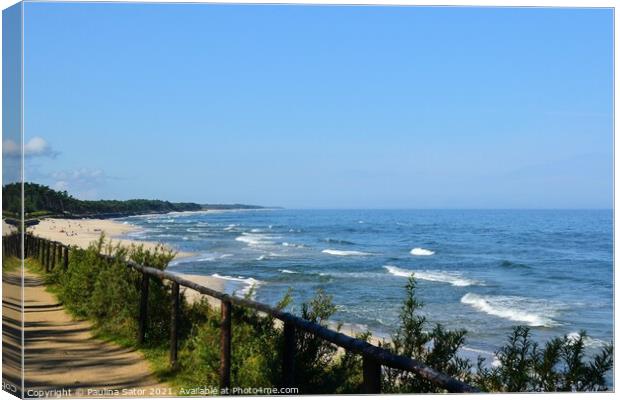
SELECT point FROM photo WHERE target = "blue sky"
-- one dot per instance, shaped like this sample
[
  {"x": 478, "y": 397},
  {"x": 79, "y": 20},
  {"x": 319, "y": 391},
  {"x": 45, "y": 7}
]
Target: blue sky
[{"x": 322, "y": 106}]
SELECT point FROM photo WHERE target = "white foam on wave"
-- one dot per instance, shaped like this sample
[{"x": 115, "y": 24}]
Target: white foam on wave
[
  {"x": 255, "y": 239},
  {"x": 495, "y": 362},
  {"x": 248, "y": 283},
  {"x": 288, "y": 271},
  {"x": 344, "y": 253},
  {"x": 434, "y": 276},
  {"x": 533, "y": 312},
  {"x": 203, "y": 257},
  {"x": 287, "y": 244},
  {"x": 587, "y": 340},
  {"x": 419, "y": 251},
  {"x": 231, "y": 227},
  {"x": 214, "y": 257}
]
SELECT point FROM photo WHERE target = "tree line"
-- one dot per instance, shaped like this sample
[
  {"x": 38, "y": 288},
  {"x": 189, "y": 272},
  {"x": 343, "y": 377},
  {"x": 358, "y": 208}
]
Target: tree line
[{"x": 42, "y": 200}]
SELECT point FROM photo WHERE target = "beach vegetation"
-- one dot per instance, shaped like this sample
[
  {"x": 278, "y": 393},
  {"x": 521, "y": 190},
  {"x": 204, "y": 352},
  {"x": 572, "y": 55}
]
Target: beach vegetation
[
  {"x": 560, "y": 365},
  {"x": 435, "y": 346}
]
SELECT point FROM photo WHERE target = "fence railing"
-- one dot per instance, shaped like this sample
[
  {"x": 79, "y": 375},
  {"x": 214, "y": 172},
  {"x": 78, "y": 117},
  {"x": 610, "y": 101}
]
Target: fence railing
[{"x": 53, "y": 255}]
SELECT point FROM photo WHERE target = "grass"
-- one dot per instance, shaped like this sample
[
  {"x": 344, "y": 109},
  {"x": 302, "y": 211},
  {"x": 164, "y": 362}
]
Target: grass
[{"x": 10, "y": 264}]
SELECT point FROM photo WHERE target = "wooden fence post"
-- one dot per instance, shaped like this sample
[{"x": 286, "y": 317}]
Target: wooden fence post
[
  {"x": 288, "y": 355},
  {"x": 144, "y": 303},
  {"x": 225, "y": 342},
  {"x": 372, "y": 376},
  {"x": 174, "y": 324},
  {"x": 53, "y": 260},
  {"x": 48, "y": 254},
  {"x": 66, "y": 258}
]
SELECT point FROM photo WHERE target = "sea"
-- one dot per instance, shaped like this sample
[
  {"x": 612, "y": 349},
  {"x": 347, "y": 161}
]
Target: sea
[{"x": 480, "y": 270}]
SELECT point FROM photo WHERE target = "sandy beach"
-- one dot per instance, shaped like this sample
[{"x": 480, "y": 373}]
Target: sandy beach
[
  {"x": 82, "y": 232},
  {"x": 7, "y": 229},
  {"x": 208, "y": 281}
]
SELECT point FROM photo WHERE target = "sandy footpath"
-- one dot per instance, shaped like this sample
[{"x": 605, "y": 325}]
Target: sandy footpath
[
  {"x": 60, "y": 353},
  {"x": 82, "y": 232}
]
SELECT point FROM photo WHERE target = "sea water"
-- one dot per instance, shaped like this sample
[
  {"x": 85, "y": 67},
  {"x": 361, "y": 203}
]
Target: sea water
[{"x": 481, "y": 270}]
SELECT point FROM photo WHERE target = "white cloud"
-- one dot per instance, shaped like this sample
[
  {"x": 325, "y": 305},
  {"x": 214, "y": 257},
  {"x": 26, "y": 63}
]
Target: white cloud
[
  {"x": 10, "y": 148},
  {"x": 60, "y": 186},
  {"x": 35, "y": 147},
  {"x": 79, "y": 174},
  {"x": 83, "y": 183}
]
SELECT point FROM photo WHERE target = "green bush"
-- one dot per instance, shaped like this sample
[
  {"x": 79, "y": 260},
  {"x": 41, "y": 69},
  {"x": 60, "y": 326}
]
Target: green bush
[
  {"x": 106, "y": 291},
  {"x": 437, "y": 348},
  {"x": 559, "y": 366}
]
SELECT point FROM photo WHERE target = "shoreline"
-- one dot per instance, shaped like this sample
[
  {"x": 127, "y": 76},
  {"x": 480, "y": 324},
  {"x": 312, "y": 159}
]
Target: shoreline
[{"x": 82, "y": 232}]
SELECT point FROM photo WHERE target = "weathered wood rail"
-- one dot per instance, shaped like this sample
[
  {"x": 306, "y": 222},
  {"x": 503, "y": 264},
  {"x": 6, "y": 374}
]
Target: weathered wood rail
[{"x": 56, "y": 255}]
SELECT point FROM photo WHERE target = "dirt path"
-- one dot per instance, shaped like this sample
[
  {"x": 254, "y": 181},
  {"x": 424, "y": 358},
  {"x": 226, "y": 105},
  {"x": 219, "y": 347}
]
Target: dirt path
[{"x": 61, "y": 354}]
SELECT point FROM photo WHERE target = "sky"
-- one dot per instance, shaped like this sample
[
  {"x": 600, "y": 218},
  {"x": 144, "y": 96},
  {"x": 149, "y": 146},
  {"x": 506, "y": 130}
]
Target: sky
[{"x": 321, "y": 106}]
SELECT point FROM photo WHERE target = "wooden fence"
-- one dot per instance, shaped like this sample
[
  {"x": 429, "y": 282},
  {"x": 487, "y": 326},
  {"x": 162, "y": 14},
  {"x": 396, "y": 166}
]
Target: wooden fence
[{"x": 56, "y": 255}]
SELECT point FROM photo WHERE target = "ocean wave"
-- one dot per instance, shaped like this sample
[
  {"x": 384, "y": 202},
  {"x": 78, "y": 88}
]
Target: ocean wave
[
  {"x": 248, "y": 283},
  {"x": 287, "y": 244},
  {"x": 419, "y": 251},
  {"x": 231, "y": 227},
  {"x": 288, "y": 271},
  {"x": 213, "y": 257},
  {"x": 519, "y": 309},
  {"x": 255, "y": 239},
  {"x": 337, "y": 241},
  {"x": 587, "y": 340},
  {"x": 203, "y": 257},
  {"x": 433, "y": 276},
  {"x": 344, "y": 253},
  {"x": 363, "y": 275},
  {"x": 510, "y": 264}
]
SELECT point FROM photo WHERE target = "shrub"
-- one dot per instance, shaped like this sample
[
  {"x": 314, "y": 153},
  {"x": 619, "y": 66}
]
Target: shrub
[
  {"x": 106, "y": 291},
  {"x": 559, "y": 366},
  {"x": 437, "y": 348}
]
